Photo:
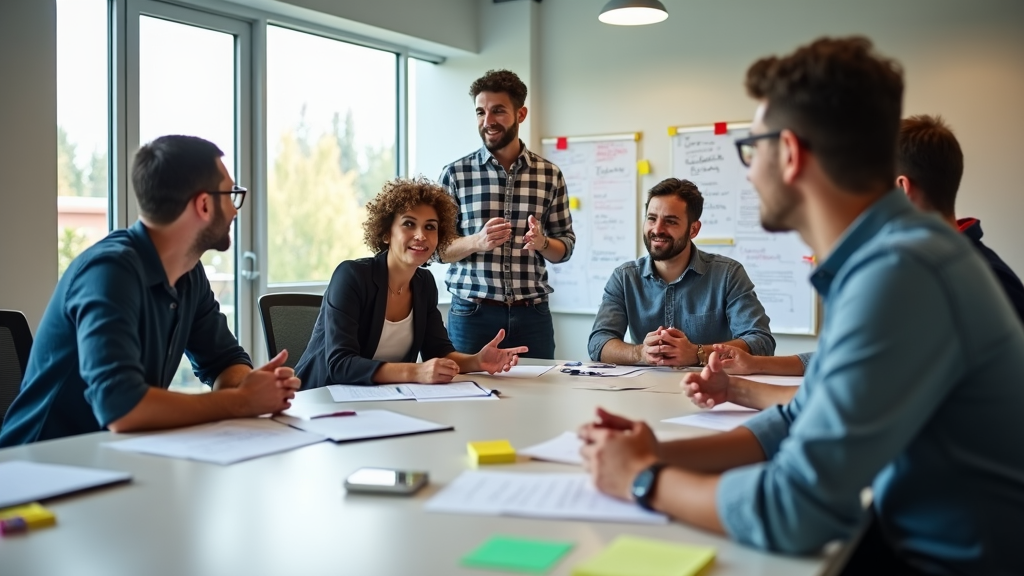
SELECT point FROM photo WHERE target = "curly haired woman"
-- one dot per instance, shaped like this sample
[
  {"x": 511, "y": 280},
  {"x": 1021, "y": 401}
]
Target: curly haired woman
[{"x": 380, "y": 313}]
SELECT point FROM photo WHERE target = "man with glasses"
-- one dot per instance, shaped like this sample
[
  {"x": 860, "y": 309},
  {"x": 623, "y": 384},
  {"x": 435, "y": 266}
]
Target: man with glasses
[
  {"x": 677, "y": 301},
  {"x": 916, "y": 388},
  {"x": 128, "y": 307}
]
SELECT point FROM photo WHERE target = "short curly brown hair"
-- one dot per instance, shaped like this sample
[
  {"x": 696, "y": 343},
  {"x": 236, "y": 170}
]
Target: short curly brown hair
[
  {"x": 401, "y": 195},
  {"x": 843, "y": 99},
  {"x": 500, "y": 81}
]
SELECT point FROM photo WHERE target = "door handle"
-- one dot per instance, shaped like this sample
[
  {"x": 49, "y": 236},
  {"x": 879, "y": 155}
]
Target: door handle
[{"x": 252, "y": 272}]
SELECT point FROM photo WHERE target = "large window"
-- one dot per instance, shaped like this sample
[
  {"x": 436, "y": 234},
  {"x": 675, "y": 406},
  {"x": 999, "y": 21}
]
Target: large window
[
  {"x": 331, "y": 130},
  {"x": 82, "y": 127}
]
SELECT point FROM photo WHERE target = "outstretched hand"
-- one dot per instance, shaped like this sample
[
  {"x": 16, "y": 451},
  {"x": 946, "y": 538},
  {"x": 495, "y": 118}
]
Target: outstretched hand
[
  {"x": 709, "y": 387},
  {"x": 493, "y": 359},
  {"x": 534, "y": 237}
]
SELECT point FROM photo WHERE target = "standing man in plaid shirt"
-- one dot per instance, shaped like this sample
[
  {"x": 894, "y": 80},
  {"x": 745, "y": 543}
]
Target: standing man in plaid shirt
[{"x": 513, "y": 215}]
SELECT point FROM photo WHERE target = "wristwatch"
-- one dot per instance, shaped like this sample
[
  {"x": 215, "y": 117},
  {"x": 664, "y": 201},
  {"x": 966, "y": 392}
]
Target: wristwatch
[
  {"x": 645, "y": 483},
  {"x": 702, "y": 360}
]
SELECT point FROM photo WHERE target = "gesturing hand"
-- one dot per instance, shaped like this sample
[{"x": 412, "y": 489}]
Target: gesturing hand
[
  {"x": 709, "y": 387},
  {"x": 668, "y": 347},
  {"x": 493, "y": 359},
  {"x": 534, "y": 238},
  {"x": 436, "y": 371},
  {"x": 270, "y": 387},
  {"x": 615, "y": 450},
  {"x": 735, "y": 360},
  {"x": 494, "y": 233}
]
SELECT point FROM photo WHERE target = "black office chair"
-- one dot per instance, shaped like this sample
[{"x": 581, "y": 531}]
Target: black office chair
[
  {"x": 15, "y": 344},
  {"x": 288, "y": 321}
]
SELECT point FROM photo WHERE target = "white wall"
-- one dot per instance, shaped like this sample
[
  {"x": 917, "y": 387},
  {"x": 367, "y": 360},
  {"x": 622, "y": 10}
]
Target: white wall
[
  {"x": 28, "y": 156},
  {"x": 964, "y": 60}
]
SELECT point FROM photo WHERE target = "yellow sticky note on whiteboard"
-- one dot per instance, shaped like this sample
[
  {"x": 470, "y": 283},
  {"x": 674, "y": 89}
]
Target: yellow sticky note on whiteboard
[
  {"x": 672, "y": 131},
  {"x": 574, "y": 202},
  {"x": 643, "y": 167}
]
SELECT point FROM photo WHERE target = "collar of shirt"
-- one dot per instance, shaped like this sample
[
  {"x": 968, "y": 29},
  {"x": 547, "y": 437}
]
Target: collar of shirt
[
  {"x": 484, "y": 156},
  {"x": 863, "y": 229},
  {"x": 698, "y": 263},
  {"x": 970, "y": 227},
  {"x": 153, "y": 266}
]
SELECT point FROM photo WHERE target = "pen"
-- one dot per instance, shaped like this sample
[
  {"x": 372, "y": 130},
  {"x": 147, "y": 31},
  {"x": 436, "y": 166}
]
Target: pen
[{"x": 332, "y": 414}]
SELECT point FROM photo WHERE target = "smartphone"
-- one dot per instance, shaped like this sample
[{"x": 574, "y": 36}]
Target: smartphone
[{"x": 384, "y": 480}]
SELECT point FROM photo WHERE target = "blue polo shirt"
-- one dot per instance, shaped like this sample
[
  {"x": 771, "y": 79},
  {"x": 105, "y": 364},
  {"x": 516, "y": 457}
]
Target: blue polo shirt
[
  {"x": 113, "y": 328},
  {"x": 916, "y": 391}
]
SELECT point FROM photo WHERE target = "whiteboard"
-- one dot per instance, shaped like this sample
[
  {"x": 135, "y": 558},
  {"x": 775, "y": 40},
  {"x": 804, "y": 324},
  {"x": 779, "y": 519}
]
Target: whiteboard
[
  {"x": 778, "y": 263},
  {"x": 601, "y": 181}
]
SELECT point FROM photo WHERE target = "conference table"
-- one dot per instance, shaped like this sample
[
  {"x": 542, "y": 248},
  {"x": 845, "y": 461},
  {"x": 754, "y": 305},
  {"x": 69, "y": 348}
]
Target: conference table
[{"x": 288, "y": 514}]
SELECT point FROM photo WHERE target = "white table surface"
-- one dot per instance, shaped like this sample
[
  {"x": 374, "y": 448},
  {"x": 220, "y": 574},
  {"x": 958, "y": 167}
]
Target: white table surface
[{"x": 287, "y": 514}]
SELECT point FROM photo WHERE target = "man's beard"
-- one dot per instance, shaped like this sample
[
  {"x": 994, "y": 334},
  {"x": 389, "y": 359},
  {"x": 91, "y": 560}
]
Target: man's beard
[
  {"x": 674, "y": 249},
  {"x": 216, "y": 236},
  {"x": 508, "y": 135},
  {"x": 777, "y": 205}
]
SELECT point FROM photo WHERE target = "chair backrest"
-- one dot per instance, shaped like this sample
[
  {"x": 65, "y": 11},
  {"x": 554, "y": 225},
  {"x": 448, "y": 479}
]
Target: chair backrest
[
  {"x": 15, "y": 345},
  {"x": 288, "y": 321}
]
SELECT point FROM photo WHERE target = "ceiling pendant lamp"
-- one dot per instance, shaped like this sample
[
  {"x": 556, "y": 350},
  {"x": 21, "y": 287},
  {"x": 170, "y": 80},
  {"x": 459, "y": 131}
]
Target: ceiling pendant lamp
[{"x": 633, "y": 12}]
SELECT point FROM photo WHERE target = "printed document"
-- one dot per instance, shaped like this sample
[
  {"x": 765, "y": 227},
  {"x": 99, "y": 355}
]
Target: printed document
[
  {"x": 363, "y": 425},
  {"x": 520, "y": 372},
  {"x": 22, "y": 482},
  {"x": 420, "y": 392},
  {"x": 224, "y": 442},
  {"x": 562, "y": 496}
]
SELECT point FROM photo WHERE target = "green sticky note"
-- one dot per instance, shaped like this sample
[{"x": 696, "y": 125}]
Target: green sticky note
[
  {"x": 632, "y": 556},
  {"x": 517, "y": 554}
]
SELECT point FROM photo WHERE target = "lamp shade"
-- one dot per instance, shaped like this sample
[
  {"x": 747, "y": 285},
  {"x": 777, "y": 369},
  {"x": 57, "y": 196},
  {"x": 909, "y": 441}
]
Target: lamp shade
[{"x": 633, "y": 12}]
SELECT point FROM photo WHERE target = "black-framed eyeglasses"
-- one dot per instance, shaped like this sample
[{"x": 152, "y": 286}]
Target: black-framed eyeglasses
[
  {"x": 237, "y": 194},
  {"x": 747, "y": 146}
]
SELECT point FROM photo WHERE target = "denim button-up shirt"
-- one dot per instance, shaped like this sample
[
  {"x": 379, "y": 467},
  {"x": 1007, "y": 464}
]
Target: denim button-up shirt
[
  {"x": 915, "y": 389},
  {"x": 113, "y": 328},
  {"x": 712, "y": 301}
]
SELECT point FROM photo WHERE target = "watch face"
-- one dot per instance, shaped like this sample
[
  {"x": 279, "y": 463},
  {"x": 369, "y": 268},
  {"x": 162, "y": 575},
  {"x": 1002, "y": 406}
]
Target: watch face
[{"x": 642, "y": 483}]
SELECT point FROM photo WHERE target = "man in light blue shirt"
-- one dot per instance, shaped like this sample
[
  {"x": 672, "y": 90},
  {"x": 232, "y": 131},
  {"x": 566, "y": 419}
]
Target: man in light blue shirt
[
  {"x": 915, "y": 390},
  {"x": 677, "y": 301}
]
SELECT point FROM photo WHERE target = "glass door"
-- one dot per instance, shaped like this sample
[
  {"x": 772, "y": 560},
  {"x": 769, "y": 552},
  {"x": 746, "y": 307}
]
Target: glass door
[{"x": 190, "y": 75}]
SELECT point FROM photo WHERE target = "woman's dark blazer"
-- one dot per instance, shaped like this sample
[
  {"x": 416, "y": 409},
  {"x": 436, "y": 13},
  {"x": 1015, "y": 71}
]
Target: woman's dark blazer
[{"x": 351, "y": 319}]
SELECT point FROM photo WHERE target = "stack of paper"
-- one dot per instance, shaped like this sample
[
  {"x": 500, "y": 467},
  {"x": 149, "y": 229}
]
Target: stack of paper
[
  {"x": 521, "y": 372},
  {"x": 22, "y": 481},
  {"x": 362, "y": 425},
  {"x": 419, "y": 392},
  {"x": 564, "y": 448},
  {"x": 562, "y": 496},
  {"x": 723, "y": 417},
  {"x": 224, "y": 442}
]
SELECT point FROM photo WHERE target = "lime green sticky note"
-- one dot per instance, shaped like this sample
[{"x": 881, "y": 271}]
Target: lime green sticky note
[
  {"x": 632, "y": 556},
  {"x": 517, "y": 554}
]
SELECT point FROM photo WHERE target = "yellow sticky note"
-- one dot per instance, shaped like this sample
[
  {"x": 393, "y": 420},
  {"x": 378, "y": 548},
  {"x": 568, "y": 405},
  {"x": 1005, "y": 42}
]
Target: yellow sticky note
[
  {"x": 714, "y": 241},
  {"x": 491, "y": 452},
  {"x": 636, "y": 136},
  {"x": 33, "y": 515},
  {"x": 574, "y": 202},
  {"x": 632, "y": 556},
  {"x": 672, "y": 131},
  {"x": 643, "y": 167}
]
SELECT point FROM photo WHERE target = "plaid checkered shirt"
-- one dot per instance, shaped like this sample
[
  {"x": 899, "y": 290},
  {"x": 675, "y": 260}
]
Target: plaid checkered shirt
[{"x": 483, "y": 190}]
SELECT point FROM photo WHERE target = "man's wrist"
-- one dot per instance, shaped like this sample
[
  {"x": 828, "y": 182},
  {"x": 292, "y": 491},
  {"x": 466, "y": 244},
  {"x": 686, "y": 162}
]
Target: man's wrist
[
  {"x": 545, "y": 246},
  {"x": 701, "y": 355}
]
